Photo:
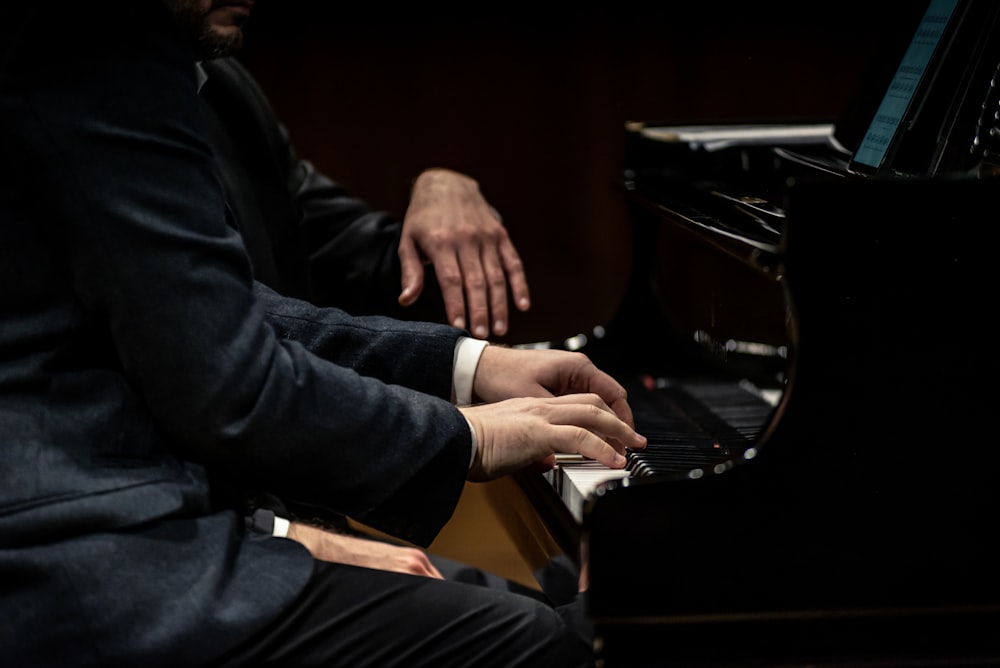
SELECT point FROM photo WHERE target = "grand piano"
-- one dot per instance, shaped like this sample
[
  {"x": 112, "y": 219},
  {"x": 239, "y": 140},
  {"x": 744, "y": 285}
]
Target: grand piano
[{"x": 809, "y": 343}]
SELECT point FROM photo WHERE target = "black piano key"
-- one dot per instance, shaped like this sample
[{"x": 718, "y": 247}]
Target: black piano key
[{"x": 695, "y": 424}]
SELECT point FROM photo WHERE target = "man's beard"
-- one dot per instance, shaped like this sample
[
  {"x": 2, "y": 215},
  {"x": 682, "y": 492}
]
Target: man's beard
[
  {"x": 212, "y": 45},
  {"x": 199, "y": 30}
]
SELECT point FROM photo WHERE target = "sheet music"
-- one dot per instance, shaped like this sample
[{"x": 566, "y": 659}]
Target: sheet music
[{"x": 716, "y": 137}]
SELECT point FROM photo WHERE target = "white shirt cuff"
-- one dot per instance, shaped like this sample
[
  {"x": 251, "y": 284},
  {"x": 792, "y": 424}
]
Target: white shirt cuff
[
  {"x": 467, "y": 354},
  {"x": 475, "y": 443},
  {"x": 280, "y": 529}
]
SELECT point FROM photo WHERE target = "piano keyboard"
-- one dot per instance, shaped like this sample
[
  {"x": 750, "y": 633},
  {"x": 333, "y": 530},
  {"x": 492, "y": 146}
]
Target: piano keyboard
[{"x": 690, "y": 427}]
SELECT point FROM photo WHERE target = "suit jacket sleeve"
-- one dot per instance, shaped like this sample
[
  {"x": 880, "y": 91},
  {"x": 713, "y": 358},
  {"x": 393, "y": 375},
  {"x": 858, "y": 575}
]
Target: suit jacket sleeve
[
  {"x": 325, "y": 245},
  {"x": 226, "y": 371}
]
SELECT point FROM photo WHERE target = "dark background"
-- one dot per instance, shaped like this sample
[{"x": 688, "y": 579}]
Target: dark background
[{"x": 531, "y": 99}]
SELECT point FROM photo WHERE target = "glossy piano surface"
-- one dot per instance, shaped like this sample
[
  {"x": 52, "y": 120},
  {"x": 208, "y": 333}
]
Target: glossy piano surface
[
  {"x": 869, "y": 502},
  {"x": 850, "y": 517}
]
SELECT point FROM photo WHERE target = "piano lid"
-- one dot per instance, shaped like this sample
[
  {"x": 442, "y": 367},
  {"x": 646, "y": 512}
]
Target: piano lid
[{"x": 928, "y": 106}]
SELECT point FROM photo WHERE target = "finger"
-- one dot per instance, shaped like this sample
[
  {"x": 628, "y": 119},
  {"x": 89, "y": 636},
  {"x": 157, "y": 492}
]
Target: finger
[
  {"x": 411, "y": 270},
  {"x": 623, "y": 410},
  {"x": 578, "y": 374},
  {"x": 613, "y": 394},
  {"x": 589, "y": 412},
  {"x": 416, "y": 563},
  {"x": 474, "y": 281},
  {"x": 620, "y": 407},
  {"x": 496, "y": 286},
  {"x": 542, "y": 465},
  {"x": 449, "y": 276},
  {"x": 516, "y": 276},
  {"x": 591, "y": 446},
  {"x": 431, "y": 569},
  {"x": 591, "y": 398}
]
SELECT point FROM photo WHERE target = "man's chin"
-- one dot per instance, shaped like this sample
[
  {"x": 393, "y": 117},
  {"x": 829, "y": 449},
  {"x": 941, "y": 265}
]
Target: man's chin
[{"x": 218, "y": 43}]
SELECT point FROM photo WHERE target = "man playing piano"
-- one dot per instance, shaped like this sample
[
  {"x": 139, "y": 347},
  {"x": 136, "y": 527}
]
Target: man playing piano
[
  {"x": 308, "y": 238},
  {"x": 144, "y": 375}
]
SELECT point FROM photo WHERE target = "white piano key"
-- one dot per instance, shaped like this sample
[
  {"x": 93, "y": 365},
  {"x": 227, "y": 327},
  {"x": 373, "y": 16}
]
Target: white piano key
[{"x": 575, "y": 478}]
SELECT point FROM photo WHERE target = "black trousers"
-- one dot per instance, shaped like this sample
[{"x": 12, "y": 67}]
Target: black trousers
[{"x": 351, "y": 616}]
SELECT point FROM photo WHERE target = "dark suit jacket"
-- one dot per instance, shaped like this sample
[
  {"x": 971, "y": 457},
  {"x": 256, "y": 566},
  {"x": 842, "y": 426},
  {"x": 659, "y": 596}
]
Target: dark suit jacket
[
  {"x": 139, "y": 360},
  {"x": 306, "y": 235}
]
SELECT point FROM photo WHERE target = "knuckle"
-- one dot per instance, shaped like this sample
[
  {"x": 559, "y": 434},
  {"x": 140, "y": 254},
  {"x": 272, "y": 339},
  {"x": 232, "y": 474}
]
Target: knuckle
[
  {"x": 449, "y": 277},
  {"x": 439, "y": 238},
  {"x": 581, "y": 440},
  {"x": 495, "y": 233},
  {"x": 514, "y": 266},
  {"x": 475, "y": 281},
  {"x": 496, "y": 279},
  {"x": 467, "y": 234}
]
